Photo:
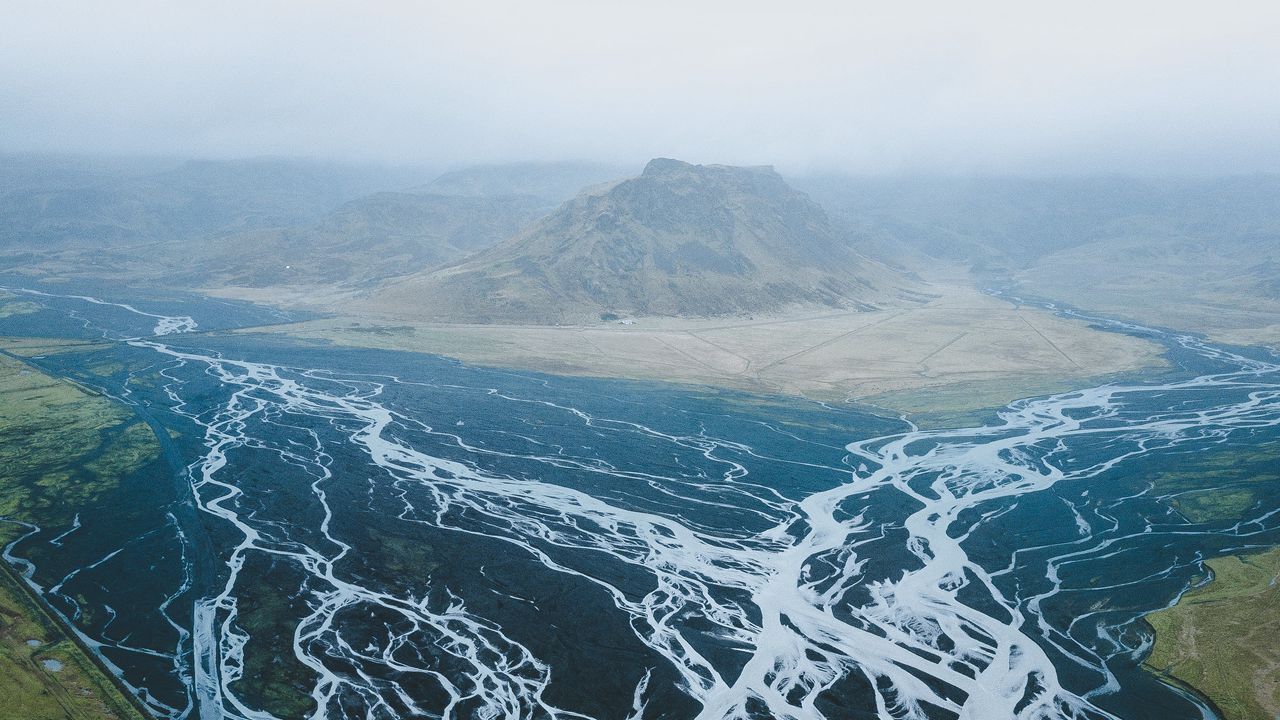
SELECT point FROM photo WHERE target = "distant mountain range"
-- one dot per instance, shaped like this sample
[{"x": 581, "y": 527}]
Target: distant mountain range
[
  {"x": 365, "y": 241},
  {"x": 569, "y": 242},
  {"x": 1005, "y": 224},
  {"x": 388, "y": 234},
  {"x": 680, "y": 239},
  {"x": 65, "y": 202},
  {"x": 264, "y": 222},
  {"x": 548, "y": 183}
]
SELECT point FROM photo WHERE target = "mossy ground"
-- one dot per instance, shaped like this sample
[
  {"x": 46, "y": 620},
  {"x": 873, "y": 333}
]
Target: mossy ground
[
  {"x": 11, "y": 305},
  {"x": 1221, "y": 638},
  {"x": 32, "y": 346},
  {"x": 273, "y": 678},
  {"x": 60, "y": 447},
  {"x": 1220, "y": 484},
  {"x": 31, "y": 691}
]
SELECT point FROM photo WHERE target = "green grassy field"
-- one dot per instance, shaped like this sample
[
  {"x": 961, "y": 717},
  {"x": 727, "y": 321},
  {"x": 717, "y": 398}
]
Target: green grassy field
[
  {"x": 44, "y": 675},
  {"x": 60, "y": 447},
  {"x": 1221, "y": 638},
  {"x": 10, "y": 305},
  {"x": 1219, "y": 486}
]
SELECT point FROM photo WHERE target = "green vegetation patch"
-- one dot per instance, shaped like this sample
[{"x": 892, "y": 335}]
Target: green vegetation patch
[
  {"x": 11, "y": 305},
  {"x": 968, "y": 403},
  {"x": 1213, "y": 505},
  {"x": 44, "y": 675},
  {"x": 32, "y": 347},
  {"x": 10, "y": 308},
  {"x": 1221, "y": 637},
  {"x": 274, "y": 679},
  {"x": 1219, "y": 485},
  {"x": 61, "y": 446}
]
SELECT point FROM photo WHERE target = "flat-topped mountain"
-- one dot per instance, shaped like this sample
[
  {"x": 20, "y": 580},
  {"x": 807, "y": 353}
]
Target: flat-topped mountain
[{"x": 679, "y": 240}]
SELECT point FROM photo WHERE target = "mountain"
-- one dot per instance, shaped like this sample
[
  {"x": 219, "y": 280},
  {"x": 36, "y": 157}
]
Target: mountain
[
  {"x": 1198, "y": 254},
  {"x": 369, "y": 239},
  {"x": 550, "y": 183},
  {"x": 679, "y": 240},
  {"x": 94, "y": 204},
  {"x": 1006, "y": 224}
]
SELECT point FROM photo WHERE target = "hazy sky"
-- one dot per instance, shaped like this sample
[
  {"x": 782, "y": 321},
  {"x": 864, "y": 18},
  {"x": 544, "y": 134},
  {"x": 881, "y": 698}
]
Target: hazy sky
[{"x": 1024, "y": 86}]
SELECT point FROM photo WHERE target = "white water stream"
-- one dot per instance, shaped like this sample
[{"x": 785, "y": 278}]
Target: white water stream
[{"x": 794, "y": 600}]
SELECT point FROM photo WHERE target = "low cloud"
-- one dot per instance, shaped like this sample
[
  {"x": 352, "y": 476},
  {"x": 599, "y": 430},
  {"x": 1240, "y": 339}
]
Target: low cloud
[{"x": 1141, "y": 87}]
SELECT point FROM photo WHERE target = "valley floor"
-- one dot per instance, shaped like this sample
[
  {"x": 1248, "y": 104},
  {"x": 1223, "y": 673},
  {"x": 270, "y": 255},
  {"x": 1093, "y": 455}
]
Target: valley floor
[
  {"x": 959, "y": 353},
  {"x": 1190, "y": 288}
]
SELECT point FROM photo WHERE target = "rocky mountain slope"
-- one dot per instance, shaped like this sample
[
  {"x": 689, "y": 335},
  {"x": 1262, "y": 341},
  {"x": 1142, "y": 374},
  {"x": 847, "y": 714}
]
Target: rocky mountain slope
[{"x": 679, "y": 240}]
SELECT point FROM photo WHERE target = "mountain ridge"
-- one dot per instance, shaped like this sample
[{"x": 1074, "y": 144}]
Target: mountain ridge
[{"x": 366, "y": 240}]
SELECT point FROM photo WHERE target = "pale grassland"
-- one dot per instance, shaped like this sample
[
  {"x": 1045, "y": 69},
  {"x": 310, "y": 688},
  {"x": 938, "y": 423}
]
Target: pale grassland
[
  {"x": 1218, "y": 289},
  {"x": 33, "y": 347},
  {"x": 964, "y": 350}
]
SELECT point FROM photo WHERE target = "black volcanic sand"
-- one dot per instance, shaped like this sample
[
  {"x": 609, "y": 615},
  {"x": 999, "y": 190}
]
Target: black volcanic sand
[{"x": 567, "y": 621}]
